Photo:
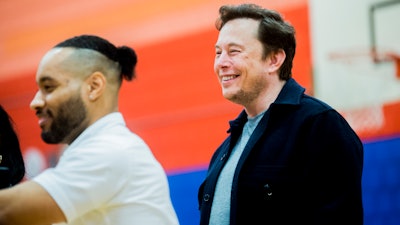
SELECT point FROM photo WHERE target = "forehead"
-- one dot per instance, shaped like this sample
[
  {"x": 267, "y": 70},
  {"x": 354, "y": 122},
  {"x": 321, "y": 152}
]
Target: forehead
[
  {"x": 242, "y": 29},
  {"x": 56, "y": 64},
  {"x": 56, "y": 56}
]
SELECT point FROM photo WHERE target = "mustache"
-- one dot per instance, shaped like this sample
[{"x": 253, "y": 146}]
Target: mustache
[{"x": 43, "y": 112}]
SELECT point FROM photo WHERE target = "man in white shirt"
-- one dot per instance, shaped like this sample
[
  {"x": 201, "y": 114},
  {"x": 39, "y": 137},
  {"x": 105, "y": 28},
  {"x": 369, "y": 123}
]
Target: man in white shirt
[{"x": 107, "y": 174}]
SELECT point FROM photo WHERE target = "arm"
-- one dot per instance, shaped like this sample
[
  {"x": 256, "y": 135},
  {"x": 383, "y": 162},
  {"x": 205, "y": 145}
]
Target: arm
[
  {"x": 336, "y": 155},
  {"x": 28, "y": 203}
]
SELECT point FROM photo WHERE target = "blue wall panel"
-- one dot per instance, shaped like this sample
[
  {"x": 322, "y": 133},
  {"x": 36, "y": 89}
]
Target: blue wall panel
[
  {"x": 381, "y": 182},
  {"x": 183, "y": 189}
]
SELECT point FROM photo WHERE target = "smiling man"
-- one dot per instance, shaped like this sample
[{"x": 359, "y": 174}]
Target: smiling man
[
  {"x": 107, "y": 174},
  {"x": 289, "y": 158}
]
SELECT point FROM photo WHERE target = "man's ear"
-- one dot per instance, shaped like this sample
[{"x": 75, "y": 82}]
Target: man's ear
[
  {"x": 96, "y": 84},
  {"x": 276, "y": 60}
]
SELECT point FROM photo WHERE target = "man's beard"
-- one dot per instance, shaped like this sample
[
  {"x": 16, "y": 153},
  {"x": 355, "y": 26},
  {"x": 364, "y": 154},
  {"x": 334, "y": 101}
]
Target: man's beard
[
  {"x": 246, "y": 95},
  {"x": 69, "y": 122}
]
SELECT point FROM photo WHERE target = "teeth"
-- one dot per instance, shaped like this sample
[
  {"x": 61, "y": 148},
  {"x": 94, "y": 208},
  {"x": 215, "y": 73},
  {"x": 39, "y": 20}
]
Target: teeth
[{"x": 225, "y": 78}]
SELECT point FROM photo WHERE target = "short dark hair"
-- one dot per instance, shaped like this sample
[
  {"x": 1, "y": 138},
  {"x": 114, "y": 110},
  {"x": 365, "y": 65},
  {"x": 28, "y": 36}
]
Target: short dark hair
[
  {"x": 274, "y": 33},
  {"x": 125, "y": 56}
]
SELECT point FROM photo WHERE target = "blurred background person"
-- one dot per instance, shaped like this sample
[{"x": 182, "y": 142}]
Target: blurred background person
[{"x": 12, "y": 167}]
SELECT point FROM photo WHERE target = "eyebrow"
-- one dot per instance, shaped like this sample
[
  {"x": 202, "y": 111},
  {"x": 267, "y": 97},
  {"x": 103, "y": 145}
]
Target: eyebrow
[
  {"x": 230, "y": 45},
  {"x": 45, "y": 78}
]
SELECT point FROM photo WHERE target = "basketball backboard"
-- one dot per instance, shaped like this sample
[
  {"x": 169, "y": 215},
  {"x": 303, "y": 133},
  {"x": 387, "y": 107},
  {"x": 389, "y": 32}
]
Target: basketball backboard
[{"x": 356, "y": 51}]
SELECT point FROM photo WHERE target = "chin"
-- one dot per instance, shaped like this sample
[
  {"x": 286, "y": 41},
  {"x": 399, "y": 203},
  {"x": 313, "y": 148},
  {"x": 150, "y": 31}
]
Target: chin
[
  {"x": 231, "y": 98},
  {"x": 229, "y": 95}
]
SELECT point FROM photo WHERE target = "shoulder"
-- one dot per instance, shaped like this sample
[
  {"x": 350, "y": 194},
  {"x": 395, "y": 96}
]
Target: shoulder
[{"x": 110, "y": 132}]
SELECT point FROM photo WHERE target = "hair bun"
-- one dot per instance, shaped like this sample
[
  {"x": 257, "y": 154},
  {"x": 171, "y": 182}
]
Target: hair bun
[{"x": 127, "y": 59}]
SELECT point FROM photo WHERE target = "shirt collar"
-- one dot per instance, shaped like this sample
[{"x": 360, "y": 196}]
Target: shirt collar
[
  {"x": 290, "y": 94},
  {"x": 108, "y": 120}
]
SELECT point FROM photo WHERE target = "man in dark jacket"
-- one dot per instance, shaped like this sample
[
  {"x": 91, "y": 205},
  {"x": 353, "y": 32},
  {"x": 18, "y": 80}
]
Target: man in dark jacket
[{"x": 289, "y": 158}]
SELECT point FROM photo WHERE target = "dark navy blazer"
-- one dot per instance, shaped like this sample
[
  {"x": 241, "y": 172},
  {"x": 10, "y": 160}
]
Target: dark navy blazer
[{"x": 302, "y": 165}]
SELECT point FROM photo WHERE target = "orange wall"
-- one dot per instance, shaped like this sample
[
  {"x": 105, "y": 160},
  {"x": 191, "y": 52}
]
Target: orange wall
[{"x": 28, "y": 29}]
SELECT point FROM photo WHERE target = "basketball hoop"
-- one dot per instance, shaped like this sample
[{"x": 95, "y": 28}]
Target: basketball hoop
[
  {"x": 373, "y": 56},
  {"x": 396, "y": 59}
]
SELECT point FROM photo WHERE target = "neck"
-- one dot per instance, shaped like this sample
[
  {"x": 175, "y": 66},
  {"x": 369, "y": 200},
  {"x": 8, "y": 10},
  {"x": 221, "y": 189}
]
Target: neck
[{"x": 263, "y": 102}]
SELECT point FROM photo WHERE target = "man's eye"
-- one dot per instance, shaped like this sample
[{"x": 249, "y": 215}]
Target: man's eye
[{"x": 48, "y": 88}]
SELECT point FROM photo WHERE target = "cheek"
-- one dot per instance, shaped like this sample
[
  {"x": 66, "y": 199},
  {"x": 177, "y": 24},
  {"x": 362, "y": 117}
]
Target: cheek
[
  {"x": 215, "y": 67},
  {"x": 58, "y": 97},
  {"x": 54, "y": 98}
]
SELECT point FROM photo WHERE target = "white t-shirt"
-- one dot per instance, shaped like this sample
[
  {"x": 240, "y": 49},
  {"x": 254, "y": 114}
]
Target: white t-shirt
[{"x": 109, "y": 176}]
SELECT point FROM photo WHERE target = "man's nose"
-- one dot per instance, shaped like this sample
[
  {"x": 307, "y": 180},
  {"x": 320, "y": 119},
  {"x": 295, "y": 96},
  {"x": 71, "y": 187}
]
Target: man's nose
[
  {"x": 223, "y": 60},
  {"x": 37, "y": 101}
]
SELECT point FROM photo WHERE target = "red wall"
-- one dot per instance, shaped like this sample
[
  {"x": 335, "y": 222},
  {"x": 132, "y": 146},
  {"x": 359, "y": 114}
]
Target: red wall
[{"x": 175, "y": 103}]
